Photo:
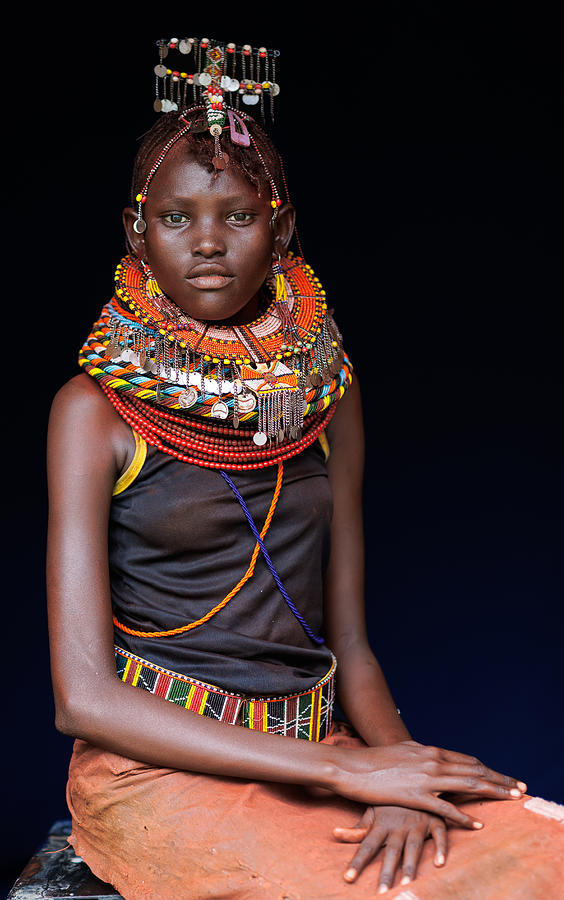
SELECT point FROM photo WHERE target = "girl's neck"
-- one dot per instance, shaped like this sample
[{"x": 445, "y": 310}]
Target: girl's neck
[{"x": 251, "y": 311}]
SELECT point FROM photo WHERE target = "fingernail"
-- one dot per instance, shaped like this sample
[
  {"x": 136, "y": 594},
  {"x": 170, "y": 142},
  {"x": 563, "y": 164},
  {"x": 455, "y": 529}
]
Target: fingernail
[
  {"x": 440, "y": 859},
  {"x": 514, "y": 792},
  {"x": 405, "y": 880},
  {"x": 383, "y": 889},
  {"x": 522, "y": 786},
  {"x": 350, "y": 875},
  {"x": 477, "y": 824}
]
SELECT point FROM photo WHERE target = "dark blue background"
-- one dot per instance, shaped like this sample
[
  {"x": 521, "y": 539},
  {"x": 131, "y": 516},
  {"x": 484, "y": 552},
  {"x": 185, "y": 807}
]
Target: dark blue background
[{"x": 423, "y": 152}]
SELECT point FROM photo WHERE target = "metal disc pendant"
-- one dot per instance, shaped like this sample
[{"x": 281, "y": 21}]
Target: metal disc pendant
[
  {"x": 250, "y": 99},
  {"x": 113, "y": 352},
  {"x": 274, "y": 88},
  {"x": 281, "y": 435},
  {"x": 235, "y": 420},
  {"x": 160, "y": 71},
  {"x": 246, "y": 401},
  {"x": 219, "y": 410},
  {"x": 158, "y": 105},
  {"x": 204, "y": 78},
  {"x": 187, "y": 398},
  {"x": 185, "y": 46},
  {"x": 295, "y": 433},
  {"x": 260, "y": 438},
  {"x": 315, "y": 379},
  {"x": 139, "y": 226}
]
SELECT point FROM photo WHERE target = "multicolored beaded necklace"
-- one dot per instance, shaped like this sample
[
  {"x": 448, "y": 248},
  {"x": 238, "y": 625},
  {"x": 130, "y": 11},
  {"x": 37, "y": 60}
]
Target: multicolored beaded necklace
[{"x": 273, "y": 382}]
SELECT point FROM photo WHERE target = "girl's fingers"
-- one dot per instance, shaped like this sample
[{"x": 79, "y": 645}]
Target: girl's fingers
[
  {"x": 392, "y": 856},
  {"x": 439, "y": 806},
  {"x": 440, "y": 836},
  {"x": 482, "y": 772},
  {"x": 475, "y": 764},
  {"x": 470, "y": 784},
  {"x": 450, "y": 812},
  {"x": 365, "y": 853},
  {"x": 412, "y": 854},
  {"x": 353, "y": 834}
]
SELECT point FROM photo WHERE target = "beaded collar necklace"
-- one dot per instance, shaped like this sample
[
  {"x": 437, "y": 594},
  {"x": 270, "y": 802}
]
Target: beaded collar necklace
[{"x": 273, "y": 382}]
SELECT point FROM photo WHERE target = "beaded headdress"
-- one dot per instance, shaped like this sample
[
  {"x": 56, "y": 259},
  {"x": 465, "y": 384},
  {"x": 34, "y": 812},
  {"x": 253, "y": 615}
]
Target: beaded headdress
[
  {"x": 274, "y": 382},
  {"x": 217, "y": 71}
]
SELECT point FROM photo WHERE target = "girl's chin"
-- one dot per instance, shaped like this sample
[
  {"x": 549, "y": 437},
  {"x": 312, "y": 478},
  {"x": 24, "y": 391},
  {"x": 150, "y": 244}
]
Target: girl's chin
[{"x": 211, "y": 309}]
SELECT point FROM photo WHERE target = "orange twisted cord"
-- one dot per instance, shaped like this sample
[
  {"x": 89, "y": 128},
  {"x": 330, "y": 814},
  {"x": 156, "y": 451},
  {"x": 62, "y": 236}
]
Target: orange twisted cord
[{"x": 248, "y": 574}]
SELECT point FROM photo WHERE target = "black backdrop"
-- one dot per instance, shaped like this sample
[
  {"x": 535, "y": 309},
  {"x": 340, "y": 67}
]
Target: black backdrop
[{"x": 423, "y": 151}]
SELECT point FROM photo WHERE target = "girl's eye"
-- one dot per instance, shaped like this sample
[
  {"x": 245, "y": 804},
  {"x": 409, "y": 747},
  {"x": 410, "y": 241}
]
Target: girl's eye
[
  {"x": 175, "y": 219},
  {"x": 240, "y": 217}
]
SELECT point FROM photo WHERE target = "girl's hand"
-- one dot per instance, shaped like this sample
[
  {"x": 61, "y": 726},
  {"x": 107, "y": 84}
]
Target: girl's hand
[
  {"x": 412, "y": 775},
  {"x": 401, "y": 831}
]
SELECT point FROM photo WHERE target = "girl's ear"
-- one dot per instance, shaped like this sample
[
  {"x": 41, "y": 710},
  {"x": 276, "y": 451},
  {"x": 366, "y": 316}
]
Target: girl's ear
[
  {"x": 135, "y": 242},
  {"x": 283, "y": 229}
]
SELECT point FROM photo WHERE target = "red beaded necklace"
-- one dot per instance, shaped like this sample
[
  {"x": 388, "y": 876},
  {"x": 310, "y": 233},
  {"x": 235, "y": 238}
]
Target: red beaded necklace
[{"x": 209, "y": 445}]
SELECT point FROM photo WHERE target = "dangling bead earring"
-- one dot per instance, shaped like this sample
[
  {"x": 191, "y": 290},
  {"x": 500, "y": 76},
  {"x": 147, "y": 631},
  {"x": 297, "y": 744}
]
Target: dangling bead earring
[
  {"x": 140, "y": 224},
  {"x": 282, "y": 295}
]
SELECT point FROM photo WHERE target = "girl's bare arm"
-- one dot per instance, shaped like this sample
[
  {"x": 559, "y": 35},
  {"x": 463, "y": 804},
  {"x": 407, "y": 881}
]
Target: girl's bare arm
[{"x": 88, "y": 447}]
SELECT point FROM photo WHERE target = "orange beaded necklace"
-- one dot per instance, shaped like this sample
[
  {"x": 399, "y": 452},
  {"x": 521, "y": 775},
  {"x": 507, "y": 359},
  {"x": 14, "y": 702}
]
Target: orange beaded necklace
[{"x": 273, "y": 382}]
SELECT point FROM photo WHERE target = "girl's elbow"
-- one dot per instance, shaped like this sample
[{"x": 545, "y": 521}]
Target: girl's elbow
[
  {"x": 65, "y": 720},
  {"x": 76, "y": 712}
]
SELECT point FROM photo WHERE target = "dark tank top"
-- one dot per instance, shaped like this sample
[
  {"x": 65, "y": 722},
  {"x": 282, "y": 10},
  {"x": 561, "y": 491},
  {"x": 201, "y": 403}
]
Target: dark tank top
[{"x": 179, "y": 542}]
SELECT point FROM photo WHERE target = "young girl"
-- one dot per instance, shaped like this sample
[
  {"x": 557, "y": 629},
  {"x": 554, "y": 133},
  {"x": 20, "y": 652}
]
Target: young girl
[{"x": 198, "y": 495}]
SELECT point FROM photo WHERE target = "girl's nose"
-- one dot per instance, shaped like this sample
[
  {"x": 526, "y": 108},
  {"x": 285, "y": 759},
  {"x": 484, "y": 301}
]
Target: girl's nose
[{"x": 207, "y": 241}]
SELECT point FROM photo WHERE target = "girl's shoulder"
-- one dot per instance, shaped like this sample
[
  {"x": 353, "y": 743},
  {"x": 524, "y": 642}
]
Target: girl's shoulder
[
  {"x": 81, "y": 394},
  {"x": 82, "y": 416}
]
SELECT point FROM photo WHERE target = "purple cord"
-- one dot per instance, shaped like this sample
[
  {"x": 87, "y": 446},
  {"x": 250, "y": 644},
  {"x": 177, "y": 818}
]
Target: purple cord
[{"x": 269, "y": 563}]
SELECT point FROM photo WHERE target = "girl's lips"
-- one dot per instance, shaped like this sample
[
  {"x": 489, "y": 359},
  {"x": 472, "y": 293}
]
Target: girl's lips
[{"x": 210, "y": 282}]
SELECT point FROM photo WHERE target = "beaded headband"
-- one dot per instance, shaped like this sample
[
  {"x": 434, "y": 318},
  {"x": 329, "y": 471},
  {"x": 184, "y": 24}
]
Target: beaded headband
[{"x": 211, "y": 113}]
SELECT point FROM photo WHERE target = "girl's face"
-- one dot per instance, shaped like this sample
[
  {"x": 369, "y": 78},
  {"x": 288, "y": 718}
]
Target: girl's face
[{"x": 209, "y": 242}]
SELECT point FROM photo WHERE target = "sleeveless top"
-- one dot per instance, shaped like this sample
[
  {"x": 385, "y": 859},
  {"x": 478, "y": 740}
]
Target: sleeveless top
[{"x": 178, "y": 544}]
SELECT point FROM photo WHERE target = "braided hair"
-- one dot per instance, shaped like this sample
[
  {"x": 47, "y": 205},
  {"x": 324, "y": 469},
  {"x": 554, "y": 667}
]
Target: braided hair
[{"x": 200, "y": 144}]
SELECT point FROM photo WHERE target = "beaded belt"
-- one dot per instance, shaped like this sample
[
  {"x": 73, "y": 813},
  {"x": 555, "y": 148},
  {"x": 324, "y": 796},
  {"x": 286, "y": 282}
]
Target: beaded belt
[{"x": 307, "y": 715}]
